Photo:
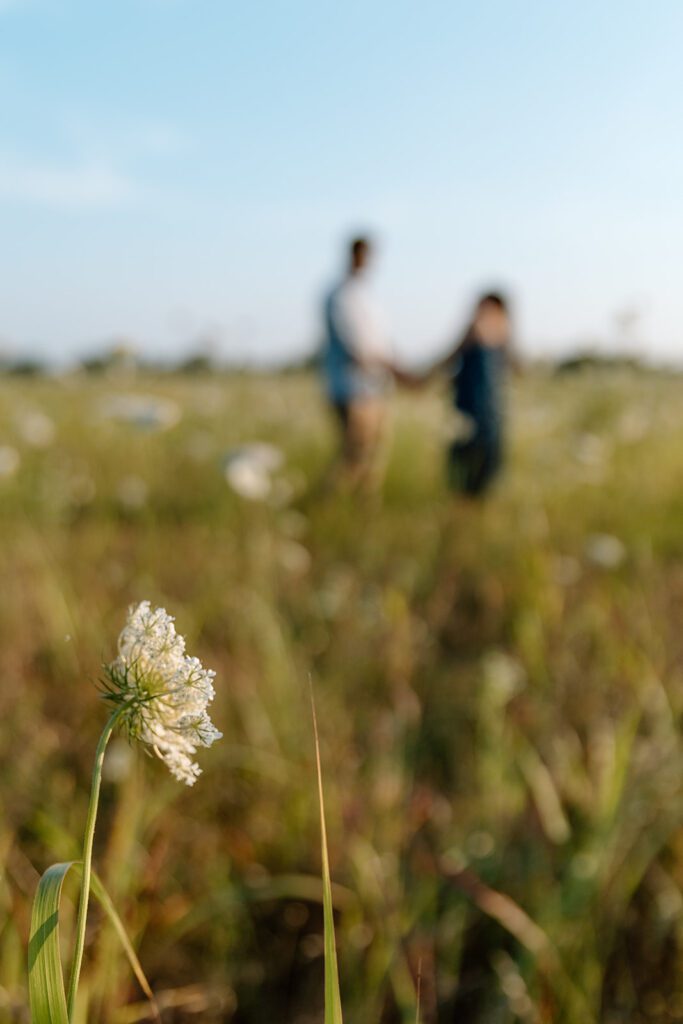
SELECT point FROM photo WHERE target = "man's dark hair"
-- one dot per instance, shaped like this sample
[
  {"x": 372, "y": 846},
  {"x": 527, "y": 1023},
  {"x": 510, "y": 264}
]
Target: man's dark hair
[
  {"x": 494, "y": 299},
  {"x": 359, "y": 245}
]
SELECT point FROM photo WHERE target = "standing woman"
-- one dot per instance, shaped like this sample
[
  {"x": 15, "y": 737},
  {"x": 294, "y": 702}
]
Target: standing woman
[{"x": 478, "y": 365}]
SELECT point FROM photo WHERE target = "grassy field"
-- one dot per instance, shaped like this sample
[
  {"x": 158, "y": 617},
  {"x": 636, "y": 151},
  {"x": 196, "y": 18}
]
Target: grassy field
[{"x": 499, "y": 694}]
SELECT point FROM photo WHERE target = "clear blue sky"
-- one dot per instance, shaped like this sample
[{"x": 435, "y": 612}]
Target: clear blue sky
[{"x": 171, "y": 169}]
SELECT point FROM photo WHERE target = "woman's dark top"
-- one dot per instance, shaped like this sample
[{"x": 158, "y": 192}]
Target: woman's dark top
[{"x": 478, "y": 383}]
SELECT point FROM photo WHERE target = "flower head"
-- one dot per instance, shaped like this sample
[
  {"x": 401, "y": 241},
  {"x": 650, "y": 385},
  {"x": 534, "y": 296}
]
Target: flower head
[{"x": 161, "y": 691}]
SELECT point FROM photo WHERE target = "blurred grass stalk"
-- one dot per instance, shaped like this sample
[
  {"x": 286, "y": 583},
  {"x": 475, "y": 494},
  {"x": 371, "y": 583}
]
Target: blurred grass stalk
[
  {"x": 49, "y": 1005},
  {"x": 333, "y": 1007},
  {"x": 87, "y": 859}
]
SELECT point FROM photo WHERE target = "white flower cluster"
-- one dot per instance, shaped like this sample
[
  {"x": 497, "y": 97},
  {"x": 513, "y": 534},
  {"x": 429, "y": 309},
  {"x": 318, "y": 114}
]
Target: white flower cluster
[
  {"x": 162, "y": 692},
  {"x": 249, "y": 469}
]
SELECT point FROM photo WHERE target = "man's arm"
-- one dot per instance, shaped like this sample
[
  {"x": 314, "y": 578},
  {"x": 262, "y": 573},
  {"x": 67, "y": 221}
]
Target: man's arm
[{"x": 364, "y": 336}]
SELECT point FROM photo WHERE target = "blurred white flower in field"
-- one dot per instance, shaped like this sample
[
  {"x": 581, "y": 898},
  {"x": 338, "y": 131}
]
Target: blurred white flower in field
[
  {"x": 147, "y": 412},
  {"x": 592, "y": 450},
  {"x": 360, "y": 935},
  {"x": 513, "y": 987},
  {"x": 118, "y": 761},
  {"x": 249, "y": 469},
  {"x": 605, "y": 551},
  {"x": 503, "y": 676},
  {"x": 163, "y": 693},
  {"x": 248, "y": 480},
  {"x": 294, "y": 557},
  {"x": 480, "y": 844},
  {"x": 9, "y": 461},
  {"x": 35, "y": 428},
  {"x": 132, "y": 492}
]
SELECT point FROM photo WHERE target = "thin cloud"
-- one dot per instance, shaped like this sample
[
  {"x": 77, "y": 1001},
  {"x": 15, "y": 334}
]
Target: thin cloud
[
  {"x": 107, "y": 137},
  {"x": 85, "y": 185}
]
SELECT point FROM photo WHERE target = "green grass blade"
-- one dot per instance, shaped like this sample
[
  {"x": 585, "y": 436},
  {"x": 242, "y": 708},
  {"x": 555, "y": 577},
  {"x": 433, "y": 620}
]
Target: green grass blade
[
  {"x": 333, "y": 1008},
  {"x": 47, "y": 997},
  {"x": 45, "y": 978},
  {"x": 105, "y": 901}
]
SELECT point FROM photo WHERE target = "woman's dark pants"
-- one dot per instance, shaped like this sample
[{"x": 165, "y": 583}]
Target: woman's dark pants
[{"x": 473, "y": 464}]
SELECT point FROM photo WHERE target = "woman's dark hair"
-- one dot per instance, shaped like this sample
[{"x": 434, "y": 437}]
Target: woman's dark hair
[{"x": 494, "y": 299}]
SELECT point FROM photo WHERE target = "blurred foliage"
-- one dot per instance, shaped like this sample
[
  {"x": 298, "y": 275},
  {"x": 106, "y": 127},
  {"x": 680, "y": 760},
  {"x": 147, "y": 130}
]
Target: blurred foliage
[{"x": 499, "y": 692}]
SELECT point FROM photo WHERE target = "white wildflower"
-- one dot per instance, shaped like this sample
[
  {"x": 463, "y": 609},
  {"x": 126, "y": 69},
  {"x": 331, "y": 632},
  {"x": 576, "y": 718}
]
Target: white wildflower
[
  {"x": 503, "y": 677},
  {"x": 592, "y": 450},
  {"x": 163, "y": 692},
  {"x": 249, "y": 469},
  {"x": 146, "y": 412},
  {"x": 294, "y": 557},
  {"x": 605, "y": 551},
  {"x": 118, "y": 761},
  {"x": 36, "y": 428}
]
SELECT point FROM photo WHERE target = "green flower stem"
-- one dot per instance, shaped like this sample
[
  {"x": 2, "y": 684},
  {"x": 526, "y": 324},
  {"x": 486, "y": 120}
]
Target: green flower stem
[{"x": 87, "y": 860}]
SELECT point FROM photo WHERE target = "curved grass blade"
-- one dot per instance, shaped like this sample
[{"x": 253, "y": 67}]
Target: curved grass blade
[
  {"x": 333, "y": 1008},
  {"x": 517, "y": 922},
  {"x": 107, "y": 905},
  {"x": 47, "y": 995}
]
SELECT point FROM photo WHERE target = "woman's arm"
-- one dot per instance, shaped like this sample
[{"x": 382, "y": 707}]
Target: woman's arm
[{"x": 446, "y": 363}]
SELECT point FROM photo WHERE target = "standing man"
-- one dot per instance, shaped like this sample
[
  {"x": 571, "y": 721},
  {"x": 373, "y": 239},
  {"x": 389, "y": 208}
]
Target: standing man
[{"x": 358, "y": 369}]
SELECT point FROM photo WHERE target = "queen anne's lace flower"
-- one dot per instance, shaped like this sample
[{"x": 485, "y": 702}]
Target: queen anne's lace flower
[{"x": 162, "y": 692}]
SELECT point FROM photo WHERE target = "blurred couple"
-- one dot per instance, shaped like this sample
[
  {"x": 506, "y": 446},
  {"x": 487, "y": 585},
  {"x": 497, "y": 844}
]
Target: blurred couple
[{"x": 359, "y": 371}]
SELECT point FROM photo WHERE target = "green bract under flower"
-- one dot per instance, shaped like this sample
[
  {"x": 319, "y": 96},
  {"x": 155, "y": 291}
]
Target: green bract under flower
[{"x": 162, "y": 692}]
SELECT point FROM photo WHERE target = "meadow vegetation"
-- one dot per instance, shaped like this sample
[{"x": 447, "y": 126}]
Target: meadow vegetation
[{"x": 499, "y": 692}]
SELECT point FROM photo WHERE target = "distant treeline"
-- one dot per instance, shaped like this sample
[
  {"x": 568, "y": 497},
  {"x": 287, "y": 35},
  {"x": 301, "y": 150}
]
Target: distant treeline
[{"x": 125, "y": 360}]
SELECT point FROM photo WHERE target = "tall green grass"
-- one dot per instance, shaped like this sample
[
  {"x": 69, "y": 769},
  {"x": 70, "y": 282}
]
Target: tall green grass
[{"x": 499, "y": 711}]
